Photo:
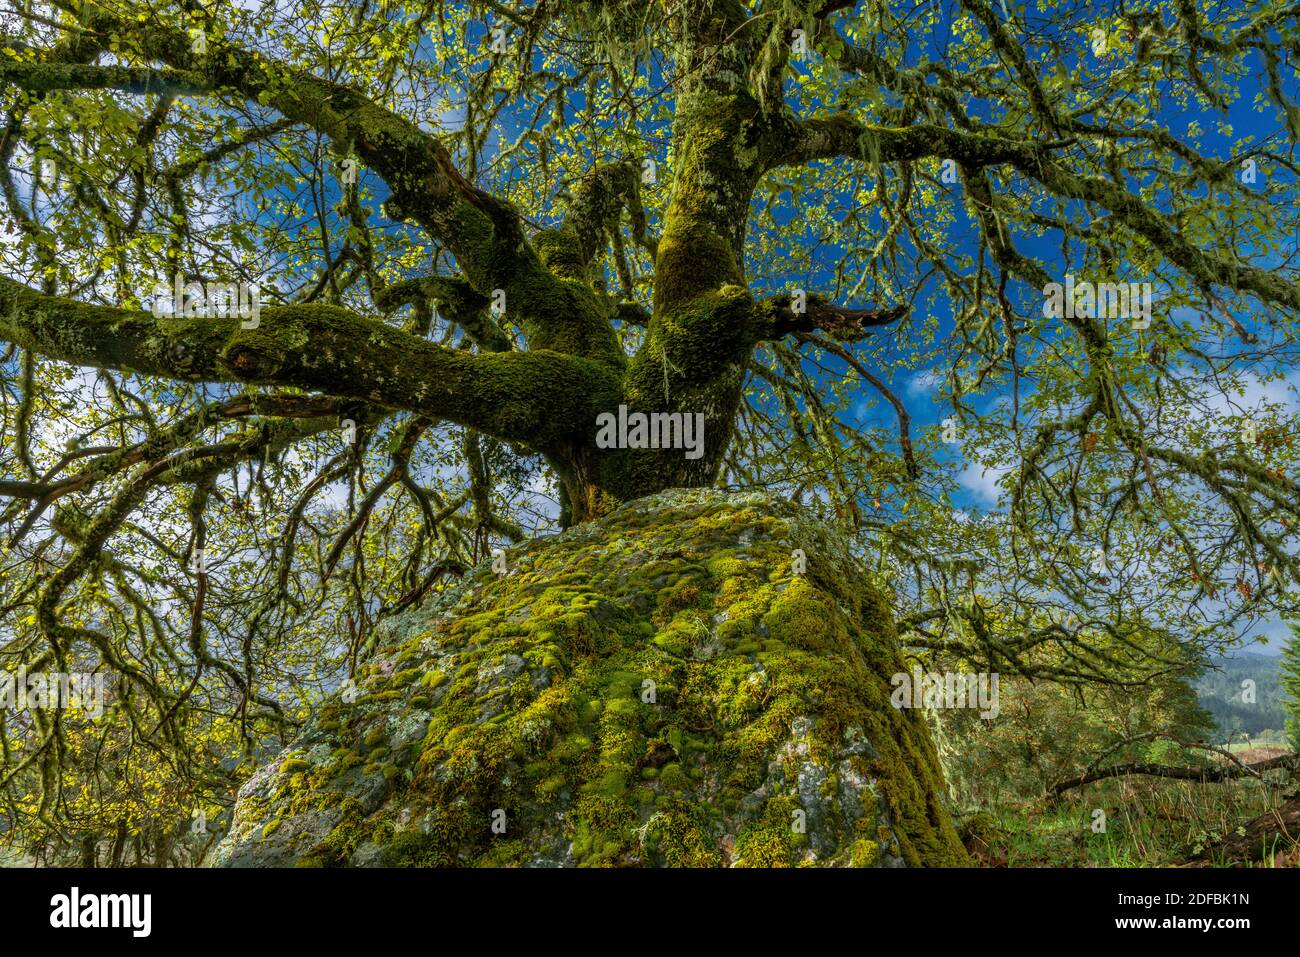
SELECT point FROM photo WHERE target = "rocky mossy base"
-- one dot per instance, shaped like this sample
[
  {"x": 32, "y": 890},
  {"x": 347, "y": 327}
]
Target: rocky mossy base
[{"x": 655, "y": 688}]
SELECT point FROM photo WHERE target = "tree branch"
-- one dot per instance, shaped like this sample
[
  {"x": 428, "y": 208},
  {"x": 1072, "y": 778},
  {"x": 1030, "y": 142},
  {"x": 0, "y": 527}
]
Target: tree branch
[
  {"x": 537, "y": 397},
  {"x": 484, "y": 233},
  {"x": 1208, "y": 775},
  {"x": 839, "y": 322},
  {"x": 843, "y": 135}
]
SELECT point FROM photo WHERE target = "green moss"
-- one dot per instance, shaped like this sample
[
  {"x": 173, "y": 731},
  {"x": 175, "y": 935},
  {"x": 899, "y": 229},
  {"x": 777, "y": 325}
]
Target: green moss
[
  {"x": 677, "y": 835},
  {"x": 758, "y": 677},
  {"x": 864, "y": 853},
  {"x": 343, "y": 840},
  {"x": 804, "y": 617},
  {"x": 672, "y": 778}
]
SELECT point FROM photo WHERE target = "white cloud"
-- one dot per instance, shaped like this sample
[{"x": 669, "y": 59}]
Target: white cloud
[
  {"x": 924, "y": 384},
  {"x": 982, "y": 482},
  {"x": 1254, "y": 394}
]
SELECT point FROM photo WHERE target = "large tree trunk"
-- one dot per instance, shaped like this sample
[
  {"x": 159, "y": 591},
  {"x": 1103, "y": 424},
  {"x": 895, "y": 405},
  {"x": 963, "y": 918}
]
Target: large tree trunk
[{"x": 705, "y": 322}]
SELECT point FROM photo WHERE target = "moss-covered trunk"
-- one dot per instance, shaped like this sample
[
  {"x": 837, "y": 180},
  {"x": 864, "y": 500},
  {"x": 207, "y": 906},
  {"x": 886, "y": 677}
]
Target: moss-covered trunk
[{"x": 704, "y": 324}]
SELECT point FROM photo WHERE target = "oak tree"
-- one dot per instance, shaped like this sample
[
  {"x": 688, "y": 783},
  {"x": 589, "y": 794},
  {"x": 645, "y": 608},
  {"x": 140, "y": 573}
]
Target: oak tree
[{"x": 829, "y": 228}]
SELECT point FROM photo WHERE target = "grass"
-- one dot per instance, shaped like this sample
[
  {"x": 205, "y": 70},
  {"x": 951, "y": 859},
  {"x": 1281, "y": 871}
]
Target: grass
[{"x": 1148, "y": 823}]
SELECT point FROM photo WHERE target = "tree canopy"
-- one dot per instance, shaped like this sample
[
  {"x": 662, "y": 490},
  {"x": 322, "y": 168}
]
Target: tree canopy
[{"x": 849, "y": 236}]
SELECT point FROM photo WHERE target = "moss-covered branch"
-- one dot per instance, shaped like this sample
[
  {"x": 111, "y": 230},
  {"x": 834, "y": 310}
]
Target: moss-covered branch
[
  {"x": 482, "y": 231},
  {"x": 597, "y": 206},
  {"x": 538, "y": 398},
  {"x": 49, "y": 77},
  {"x": 1208, "y": 268},
  {"x": 780, "y": 318},
  {"x": 453, "y": 299},
  {"x": 841, "y": 135}
]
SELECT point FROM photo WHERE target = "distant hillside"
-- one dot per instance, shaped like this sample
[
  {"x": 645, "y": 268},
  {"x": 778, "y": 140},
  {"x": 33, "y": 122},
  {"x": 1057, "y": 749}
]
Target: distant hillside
[{"x": 1221, "y": 691}]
